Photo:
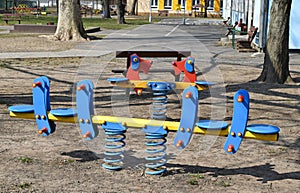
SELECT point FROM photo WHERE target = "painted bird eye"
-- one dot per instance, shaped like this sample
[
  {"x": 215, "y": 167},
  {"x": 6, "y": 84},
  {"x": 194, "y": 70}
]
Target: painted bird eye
[
  {"x": 190, "y": 61},
  {"x": 135, "y": 59}
]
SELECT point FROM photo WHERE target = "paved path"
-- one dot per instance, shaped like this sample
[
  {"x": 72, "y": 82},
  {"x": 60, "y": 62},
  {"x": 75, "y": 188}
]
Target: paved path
[
  {"x": 166, "y": 34},
  {"x": 197, "y": 35}
]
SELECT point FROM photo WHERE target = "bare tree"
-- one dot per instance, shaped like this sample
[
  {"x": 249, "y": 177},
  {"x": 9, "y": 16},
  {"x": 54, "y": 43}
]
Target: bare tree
[
  {"x": 106, "y": 9},
  {"x": 121, "y": 11},
  {"x": 69, "y": 26},
  {"x": 276, "y": 62},
  {"x": 206, "y": 3},
  {"x": 133, "y": 8}
]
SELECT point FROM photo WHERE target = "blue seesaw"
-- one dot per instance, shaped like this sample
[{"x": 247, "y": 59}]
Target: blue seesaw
[{"x": 155, "y": 131}]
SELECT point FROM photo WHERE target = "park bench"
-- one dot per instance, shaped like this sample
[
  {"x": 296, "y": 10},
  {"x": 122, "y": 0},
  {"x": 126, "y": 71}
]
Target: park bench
[
  {"x": 163, "y": 12},
  {"x": 245, "y": 45},
  {"x": 198, "y": 13},
  {"x": 12, "y": 17},
  {"x": 153, "y": 54},
  {"x": 198, "y": 10}
]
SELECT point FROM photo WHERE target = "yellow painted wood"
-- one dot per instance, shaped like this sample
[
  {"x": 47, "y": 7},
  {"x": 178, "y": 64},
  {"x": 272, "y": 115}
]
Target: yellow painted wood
[
  {"x": 50, "y": 117},
  {"x": 143, "y": 84},
  {"x": 140, "y": 123}
]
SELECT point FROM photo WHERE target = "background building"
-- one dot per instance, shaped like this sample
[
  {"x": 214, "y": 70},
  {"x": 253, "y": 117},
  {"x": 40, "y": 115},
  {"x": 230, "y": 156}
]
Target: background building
[
  {"x": 257, "y": 13},
  {"x": 175, "y": 6}
]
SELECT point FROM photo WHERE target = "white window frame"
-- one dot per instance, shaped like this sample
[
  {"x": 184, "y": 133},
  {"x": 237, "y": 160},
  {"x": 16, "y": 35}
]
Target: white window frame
[
  {"x": 154, "y": 3},
  {"x": 196, "y": 2},
  {"x": 182, "y": 4},
  {"x": 210, "y": 5},
  {"x": 167, "y": 4}
]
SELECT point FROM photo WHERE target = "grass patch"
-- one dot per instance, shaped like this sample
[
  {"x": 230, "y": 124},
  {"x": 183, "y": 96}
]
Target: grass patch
[
  {"x": 2, "y": 64},
  {"x": 283, "y": 149},
  {"x": 24, "y": 185},
  {"x": 271, "y": 151},
  {"x": 193, "y": 182},
  {"x": 88, "y": 22},
  {"x": 26, "y": 160},
  {"x": 113, "y": 23},
  {"x": 66, "y": 161},
  {"x": 194, "y": 179},
  {"x": 69, "y": 161},
  {"x": 13, "y": 35},
  {"x": 224, "y": 184},
  {"x": 198, "y": 176}
]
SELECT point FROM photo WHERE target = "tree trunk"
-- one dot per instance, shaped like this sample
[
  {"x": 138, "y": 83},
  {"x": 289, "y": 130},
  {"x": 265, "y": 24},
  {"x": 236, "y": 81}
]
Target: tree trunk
[
  {"x": 69, "y": 26},
  {"x": 205, "y": 8},
  {"x": 276, "y": 61},
  {"x": 133, "y": 8},
  {"x": 121, "y": 12},
  {"x": 106, "y": 9}
]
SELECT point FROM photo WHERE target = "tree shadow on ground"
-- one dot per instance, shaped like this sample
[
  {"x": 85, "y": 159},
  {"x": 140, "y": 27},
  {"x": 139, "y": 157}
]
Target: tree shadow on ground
[
  {"x": 263, "y": 172},
  {"x": 268, "y": 89}
]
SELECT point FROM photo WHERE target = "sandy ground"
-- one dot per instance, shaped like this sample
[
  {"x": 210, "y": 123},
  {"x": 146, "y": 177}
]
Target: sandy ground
[
  {"x": 64, "y": 162},
  {"x": 30, "y": 42}
]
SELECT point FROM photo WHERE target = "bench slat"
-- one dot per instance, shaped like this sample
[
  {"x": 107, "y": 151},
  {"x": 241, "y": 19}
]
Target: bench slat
[{"x": 153, "y": 54}]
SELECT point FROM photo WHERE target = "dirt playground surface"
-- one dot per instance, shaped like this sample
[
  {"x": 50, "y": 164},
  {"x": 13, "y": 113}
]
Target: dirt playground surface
[{"x": 64, "y": 162}]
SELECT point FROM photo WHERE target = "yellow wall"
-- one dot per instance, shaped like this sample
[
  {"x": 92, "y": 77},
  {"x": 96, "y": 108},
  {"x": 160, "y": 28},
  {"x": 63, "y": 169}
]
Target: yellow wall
[
  {"x": 161, "y": 5},
  {"x": 175, "y": 5},
  {"x": 202, "y": 2},
  {"x": 188, "y": 4},
  {"x": 217, "y": 5}
]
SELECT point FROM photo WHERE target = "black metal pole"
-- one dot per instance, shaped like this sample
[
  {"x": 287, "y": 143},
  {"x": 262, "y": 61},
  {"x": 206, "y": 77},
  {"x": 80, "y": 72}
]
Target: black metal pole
[{"x": 57, "y": 6}]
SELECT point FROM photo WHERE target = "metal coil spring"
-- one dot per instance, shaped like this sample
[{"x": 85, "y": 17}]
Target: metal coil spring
[
  {"x": 114, "y": 144},
  {"x": 159, "y": 102},
  {"x": 159, "y": 105},
  {"x": 156, "y": 151}
]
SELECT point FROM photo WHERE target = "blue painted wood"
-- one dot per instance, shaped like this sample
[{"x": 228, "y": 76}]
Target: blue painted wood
[
  {"x": 40, "y": 105},
  {"x": 47, "y": 92},
  {"x": 212, "y": 124},
  {"x": 85, "y": 109},
  {"x": 239, "y": 122},
  {"x": 47, "y": 100},
  {"x": 157, "y": 86},
  {"x": 263, "y": 129},
  {"x": 110, "y": 126},
  {"x": 113, "y": 80},
  {"x": 189, "y": 115},
  {"x": 64, "y": 112},
  {"x": 189, "y": 64},
  {"x": 21, "y": 108},
  {"x": 135, "y": 61},
  {"x": 204, "y": 83},
  {"x": 154, "y": 130}
]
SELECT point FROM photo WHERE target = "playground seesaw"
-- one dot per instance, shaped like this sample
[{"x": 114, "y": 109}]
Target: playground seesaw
[{"x": 155, "y": 131}]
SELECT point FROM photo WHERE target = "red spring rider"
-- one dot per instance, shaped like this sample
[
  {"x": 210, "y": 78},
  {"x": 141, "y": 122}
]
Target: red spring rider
[
  {"x": 187, "y": 67},
  {"x": 137, "y": 64}
]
